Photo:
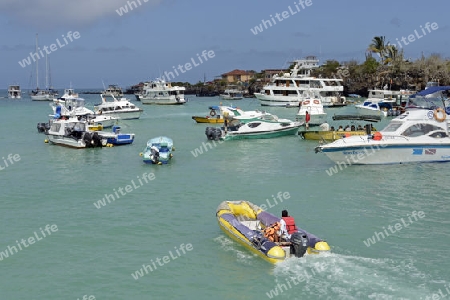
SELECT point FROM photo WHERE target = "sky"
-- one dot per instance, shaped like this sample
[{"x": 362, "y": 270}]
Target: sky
[{"x": 110, "y": 46}]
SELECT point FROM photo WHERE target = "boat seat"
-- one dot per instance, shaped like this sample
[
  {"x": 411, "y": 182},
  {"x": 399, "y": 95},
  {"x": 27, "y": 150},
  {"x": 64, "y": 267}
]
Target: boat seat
[{"x": 252, "y": 225}]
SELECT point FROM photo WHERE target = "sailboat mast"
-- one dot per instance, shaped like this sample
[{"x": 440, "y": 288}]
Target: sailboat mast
[
  {"x": 46, "y": 72},
  {"x": 37, "y": 65}
]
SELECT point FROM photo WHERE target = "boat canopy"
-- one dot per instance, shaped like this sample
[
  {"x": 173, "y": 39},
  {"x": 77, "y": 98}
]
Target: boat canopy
[
  {"x": 432, "y": 90},
  {"x": 160, "y": 141}
]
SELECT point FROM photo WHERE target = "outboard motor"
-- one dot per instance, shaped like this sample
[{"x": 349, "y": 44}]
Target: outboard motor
[
  {"x": 217, "y": 134},
  {"x": 87, "y": 138},
  {"x": 96, "y": 140},
  {"x": 209, "y": 132},
  {"x": 154, "y": 156},
  {"x": 299, "y": 244},
  {"x": 43, "y": 127}
]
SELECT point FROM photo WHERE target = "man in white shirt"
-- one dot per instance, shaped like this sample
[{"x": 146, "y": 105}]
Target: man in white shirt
[{"x": 286, "y": 228}]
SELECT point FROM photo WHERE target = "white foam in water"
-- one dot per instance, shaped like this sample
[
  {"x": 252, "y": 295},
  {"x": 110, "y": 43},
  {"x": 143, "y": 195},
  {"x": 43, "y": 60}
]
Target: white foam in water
[
  {"x": 228, "y": 245},
  {"x": 337, "y": 276}
]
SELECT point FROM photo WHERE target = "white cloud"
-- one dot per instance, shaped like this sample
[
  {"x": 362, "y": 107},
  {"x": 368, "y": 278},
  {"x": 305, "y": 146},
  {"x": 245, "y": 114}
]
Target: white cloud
[{"x": 47, "y": 13}]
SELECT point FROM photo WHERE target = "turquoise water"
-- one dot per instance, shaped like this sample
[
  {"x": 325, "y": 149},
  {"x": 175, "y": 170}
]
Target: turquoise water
[{"x": 168, "y": 224}]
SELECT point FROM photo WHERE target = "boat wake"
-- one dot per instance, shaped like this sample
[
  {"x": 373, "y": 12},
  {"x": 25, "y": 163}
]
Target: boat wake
[{"x": 337, "y": 276}]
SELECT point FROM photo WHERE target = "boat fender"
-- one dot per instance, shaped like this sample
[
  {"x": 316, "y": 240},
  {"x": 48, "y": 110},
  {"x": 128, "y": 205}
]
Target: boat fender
[
  {"x": 212, "y": 113},
  {"x": 439, "y": 114},
  {"x": 377, "y": 136}
]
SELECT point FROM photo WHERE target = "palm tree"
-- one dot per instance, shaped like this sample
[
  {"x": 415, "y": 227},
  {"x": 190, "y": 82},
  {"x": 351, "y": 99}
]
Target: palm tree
[{"x": 379, "y": 46}]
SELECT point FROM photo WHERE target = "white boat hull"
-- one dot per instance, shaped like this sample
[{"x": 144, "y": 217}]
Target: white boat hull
[
  {"x": 105, "y": 121},
  {"x": 227, "y": 97},
  {"x": 66, "y": 141},
  {"x": 392, "y": 154},
  {"x": 41, "y": 98},
  {"x": 284, "y": 101},
  {"x": 366, "y": 111},
  {"x": 124, "y": 115},
  {"x": 162, "y": 100}
]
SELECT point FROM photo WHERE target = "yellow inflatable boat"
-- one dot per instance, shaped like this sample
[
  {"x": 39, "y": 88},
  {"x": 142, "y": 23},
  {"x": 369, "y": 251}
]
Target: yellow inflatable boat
[{"x": 246, "y": 223}]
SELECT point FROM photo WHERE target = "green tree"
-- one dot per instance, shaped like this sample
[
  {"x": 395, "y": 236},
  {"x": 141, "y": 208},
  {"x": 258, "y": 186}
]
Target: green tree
[{"x": 380, "y": 47}]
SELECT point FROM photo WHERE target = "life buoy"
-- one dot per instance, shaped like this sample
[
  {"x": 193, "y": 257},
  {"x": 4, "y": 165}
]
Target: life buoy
[
  {"x": 441, "y": 111},
  {"x": 306, "y": 102},
  {"x": 316, "y": 101},
  {"x": 212, "y": 113}
]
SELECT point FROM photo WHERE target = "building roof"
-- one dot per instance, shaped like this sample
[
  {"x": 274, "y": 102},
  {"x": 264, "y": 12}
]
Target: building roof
[{"x": 238, "y": 72}]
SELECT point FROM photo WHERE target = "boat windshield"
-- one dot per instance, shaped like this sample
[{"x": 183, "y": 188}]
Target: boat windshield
[
  {"x": 428, "y": 102},
  {"x": 420, "y": 129},
  {"x": 393, "y": 126}
]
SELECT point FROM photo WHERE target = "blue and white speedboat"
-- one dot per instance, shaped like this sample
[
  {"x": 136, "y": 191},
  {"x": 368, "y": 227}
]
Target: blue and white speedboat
[
  {"x": 115, "y": 137},
  {"x": 421, "y": 134},
  {"x": 158, "y": 151}
]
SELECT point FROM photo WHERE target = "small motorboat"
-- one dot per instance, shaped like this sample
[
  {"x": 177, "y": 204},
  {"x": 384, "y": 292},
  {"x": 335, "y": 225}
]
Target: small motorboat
[
  {"x": 313, "y": 106},
  {"x": 419, "y": 135},
  {"x": 115, "y": 137},
  {"x": 267, "y": 126},
  {"x": 327, "y": 133},
  {"x": 158, "y": 151},
  {"x": 74, "y": 133},
  {"x": 246, "y": 222},
  {"x": 215, "y": 116},
  {"x": 218, "y": 113}
]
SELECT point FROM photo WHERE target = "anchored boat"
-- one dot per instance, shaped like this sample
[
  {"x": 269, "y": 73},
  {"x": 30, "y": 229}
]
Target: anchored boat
[
  {"x": 267, "y": 126},
  {"x": 158, "y": 151},
  {"x": 419, "y": 135}
]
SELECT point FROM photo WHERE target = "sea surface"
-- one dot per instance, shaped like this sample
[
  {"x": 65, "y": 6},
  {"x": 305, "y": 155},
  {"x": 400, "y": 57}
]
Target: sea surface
[{"x": 165, "y": 229}]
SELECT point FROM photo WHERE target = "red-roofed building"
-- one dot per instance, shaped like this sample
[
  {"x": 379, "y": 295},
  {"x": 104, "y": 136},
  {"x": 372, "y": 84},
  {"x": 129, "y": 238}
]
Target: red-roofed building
[{"x": 238, "y": 76}]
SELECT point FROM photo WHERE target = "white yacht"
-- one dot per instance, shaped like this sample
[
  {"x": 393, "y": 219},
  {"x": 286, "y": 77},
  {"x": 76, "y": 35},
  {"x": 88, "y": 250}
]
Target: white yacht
[
  {"x": 287, "y": 89},
  {"x": 14, "y": 92},
  {"x": 69, "y": 94},
  {"x": 121, "y": 108},
  {"x": 161, "y": 92},
  {"x": 232, "y": 92},
  {"x": 113, "y": 90},
  {"x": 388, "y": 96},
  {"x": 421, "y": 134}
]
